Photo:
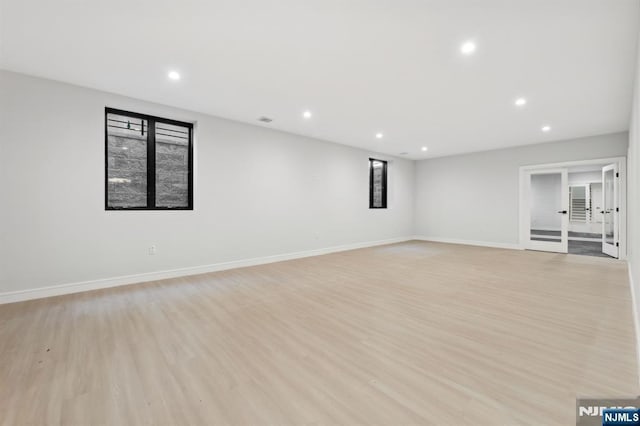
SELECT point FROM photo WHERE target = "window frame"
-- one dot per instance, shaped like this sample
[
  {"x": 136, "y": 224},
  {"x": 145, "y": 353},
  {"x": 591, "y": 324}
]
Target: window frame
[
  {"x": 384, "y": 183},
  {"x": 151, "y": 160}
]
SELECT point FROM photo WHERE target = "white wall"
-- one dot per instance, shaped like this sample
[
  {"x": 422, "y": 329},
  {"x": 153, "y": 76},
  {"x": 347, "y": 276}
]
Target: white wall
[
  {"x": 579, "y": 178},
  {"x": 474, "y": 197},
  {"x": 258, "y": 192},
  {"x": 633, "y": 202}
]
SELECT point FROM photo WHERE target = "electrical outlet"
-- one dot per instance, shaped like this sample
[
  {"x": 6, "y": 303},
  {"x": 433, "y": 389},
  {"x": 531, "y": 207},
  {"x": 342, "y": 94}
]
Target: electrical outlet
[{"x": 152, "y": 250}]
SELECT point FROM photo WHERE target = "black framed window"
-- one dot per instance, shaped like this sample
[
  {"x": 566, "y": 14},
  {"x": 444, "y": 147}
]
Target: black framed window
[
  {"x": 148, "y": 162},
  {"x": 377, "y": 184}
]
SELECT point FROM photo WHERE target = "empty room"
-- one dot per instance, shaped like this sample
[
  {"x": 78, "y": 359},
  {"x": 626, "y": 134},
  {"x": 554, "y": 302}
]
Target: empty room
[{"x": 384, "y": 212}]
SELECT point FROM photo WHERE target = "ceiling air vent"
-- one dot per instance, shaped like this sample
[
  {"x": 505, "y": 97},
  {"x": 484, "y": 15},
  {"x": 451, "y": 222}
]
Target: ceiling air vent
[{"x": 265, "y": 119}]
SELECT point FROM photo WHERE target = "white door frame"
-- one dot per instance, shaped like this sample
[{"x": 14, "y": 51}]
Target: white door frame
[{"x": 524, "y": 202}]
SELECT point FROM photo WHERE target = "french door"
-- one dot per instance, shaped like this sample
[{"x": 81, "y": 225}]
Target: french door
[
  {"x": 610, "y": 210},
  {"x": 548, "y": 218}
]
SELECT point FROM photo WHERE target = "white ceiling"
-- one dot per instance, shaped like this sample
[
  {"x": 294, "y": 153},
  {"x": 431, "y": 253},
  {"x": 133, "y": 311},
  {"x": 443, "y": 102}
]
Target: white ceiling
[{"x": 361, "y": 66}]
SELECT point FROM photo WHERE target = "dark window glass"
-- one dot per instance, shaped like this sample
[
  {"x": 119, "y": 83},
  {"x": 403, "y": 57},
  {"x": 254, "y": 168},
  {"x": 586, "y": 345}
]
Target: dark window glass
[
  {"x": 149, "y": 162},
  {"x": 377, "y": 184},
  {"x": 126, "y": 161},
  {"x": 172, "y": 165}
]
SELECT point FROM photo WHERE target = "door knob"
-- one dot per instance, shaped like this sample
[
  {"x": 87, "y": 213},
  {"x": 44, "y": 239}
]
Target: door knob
[{"x": 562, "y": 211}]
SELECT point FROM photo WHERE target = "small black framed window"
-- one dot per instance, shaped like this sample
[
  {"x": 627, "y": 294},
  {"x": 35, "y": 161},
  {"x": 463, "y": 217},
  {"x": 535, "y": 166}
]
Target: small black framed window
[
  {"x": 377, "y": 184},
  {"x": 148, "y": 162}
]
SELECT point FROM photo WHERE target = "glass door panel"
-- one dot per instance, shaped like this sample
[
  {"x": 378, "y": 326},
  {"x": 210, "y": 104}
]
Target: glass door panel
[
  {"x": 609, "y": 210},
  {"x": 548, "y": 210}
]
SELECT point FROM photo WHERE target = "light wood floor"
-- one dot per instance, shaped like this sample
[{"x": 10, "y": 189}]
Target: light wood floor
[{"x": 411, "y": 333}]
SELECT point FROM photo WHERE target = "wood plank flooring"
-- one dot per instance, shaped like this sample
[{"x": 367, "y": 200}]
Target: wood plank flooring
[{"x": 410, "y": 333}]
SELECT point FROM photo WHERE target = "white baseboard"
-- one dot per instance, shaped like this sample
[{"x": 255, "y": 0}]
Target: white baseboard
[
  {"x": 636, "y": 319},
  {"x": 469, "y": 242},
  {"x": 57, "y": 290}
]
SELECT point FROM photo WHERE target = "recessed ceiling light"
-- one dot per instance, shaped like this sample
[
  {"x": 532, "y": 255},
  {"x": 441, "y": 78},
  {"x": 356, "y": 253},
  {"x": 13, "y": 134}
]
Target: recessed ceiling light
[
  {"x": 306, "y": 114},
  {"x": 379, "y": 135},
  {"x": 520, "y": 102},
  {"x": 546, "y": 129},
  {"x": 468, "y": 48},
  {"x": 174, "y": 75},
  {"x": 424, "y": 148}
]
